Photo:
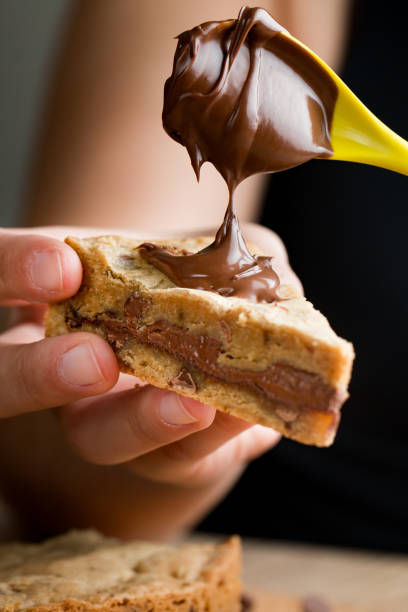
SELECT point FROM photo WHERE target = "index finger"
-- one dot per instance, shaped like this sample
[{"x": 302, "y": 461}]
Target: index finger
[{"x": 37, "y": 268}]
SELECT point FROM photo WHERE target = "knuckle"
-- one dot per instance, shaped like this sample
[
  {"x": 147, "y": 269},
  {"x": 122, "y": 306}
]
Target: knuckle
[
  {"x": 144, "y": 423},
  {"x": 16, "y": 378},
  {"x": 27, "y": 379},
  {"x": 4, "y": 266},
  {"x": 197, "y": 472},
  {"x": 179, "y": 452},
  {"x": 35, "y": 378},
  {"x": 183, "y": 462},
  {"x": 15, "y": 258},
  {"x": 83, "y": 450},
  {"x": 227, "y": 424},
  {"x": 72, "y": 424},
  {"x": 143, "y": 429},
  {"x": 203, "y": 471},
  {"x": 164, "y": 467}
]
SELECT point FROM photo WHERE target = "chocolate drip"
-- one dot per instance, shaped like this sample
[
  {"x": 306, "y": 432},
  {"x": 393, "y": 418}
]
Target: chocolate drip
[
  {"x": 225, "y": 266},
  {"x": 250, "y": 100},
  {"x": 247, "y": 98}
]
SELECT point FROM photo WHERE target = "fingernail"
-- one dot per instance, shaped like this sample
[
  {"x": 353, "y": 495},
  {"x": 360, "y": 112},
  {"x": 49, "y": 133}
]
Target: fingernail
[
  {"x": 173, "y": 412},
  {"x": 79, "y": 366},
  {"x": 46, "y": 270}
]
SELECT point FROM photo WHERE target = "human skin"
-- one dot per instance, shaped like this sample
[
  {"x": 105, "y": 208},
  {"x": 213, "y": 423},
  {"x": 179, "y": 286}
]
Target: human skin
[
  {"x": 78, "y": 445},
  {"x": 132, "y": 462}
]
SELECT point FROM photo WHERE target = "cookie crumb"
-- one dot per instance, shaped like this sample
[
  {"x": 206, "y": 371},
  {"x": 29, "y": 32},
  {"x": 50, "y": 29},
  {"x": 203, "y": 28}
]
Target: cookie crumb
[
  {"x": 315, "y": 604},
  {"x": 226, "y": 330},
  {"x": 184, "y": 380},
  {"x": 287, "y": 414}
]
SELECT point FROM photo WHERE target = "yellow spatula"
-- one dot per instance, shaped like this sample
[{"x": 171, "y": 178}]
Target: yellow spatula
[{"x": 357, "y": 135}]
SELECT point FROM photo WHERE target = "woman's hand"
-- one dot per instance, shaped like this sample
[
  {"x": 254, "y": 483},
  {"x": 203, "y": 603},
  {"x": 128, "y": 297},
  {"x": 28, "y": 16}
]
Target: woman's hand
[
  {"x": 37, "y": 373},
  {"x": 160, "y": 437}
]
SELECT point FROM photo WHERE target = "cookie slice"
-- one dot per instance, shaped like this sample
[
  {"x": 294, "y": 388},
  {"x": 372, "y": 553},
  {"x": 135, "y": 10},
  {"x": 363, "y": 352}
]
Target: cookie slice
[
  {"x": 279, "y": 365},
  {"x": 82, "y": 571}
]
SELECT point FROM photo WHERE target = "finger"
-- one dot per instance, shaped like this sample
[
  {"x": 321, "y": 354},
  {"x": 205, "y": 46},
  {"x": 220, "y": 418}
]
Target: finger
[
  {"x": 37, "y": 268},
  {"x": 22, "y": 334},
  {"x": 126, "y": 425},
  {"x": 270, "y": 244},
  {"x": 53, "y": 371},
  {"x": 207, "y": 455},
  {"x": 14, "y": 303},
  {"x": 28, "y": 313},
  {"x": 195, "y": 447}
]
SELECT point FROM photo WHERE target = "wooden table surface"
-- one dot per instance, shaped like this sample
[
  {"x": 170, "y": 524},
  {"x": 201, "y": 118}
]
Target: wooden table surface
[{"x": 375, "y": 582}]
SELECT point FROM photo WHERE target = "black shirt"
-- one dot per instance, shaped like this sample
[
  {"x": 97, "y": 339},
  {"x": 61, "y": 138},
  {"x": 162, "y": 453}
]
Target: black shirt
[{"x": 346, "y": 230}]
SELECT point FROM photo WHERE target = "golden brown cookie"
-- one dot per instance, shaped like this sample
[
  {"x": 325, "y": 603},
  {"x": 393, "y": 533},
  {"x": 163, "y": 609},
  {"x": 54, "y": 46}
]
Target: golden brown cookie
[
  {"x": 278, "y": 364},
  {"x": 83, "y": 571}
]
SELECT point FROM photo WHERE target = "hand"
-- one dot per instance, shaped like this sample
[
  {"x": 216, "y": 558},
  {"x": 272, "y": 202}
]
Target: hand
[
  {"x": 36, "y": 267},
  {"x": 165, "y": 437},
  {"x": 158, "y": 436},
  {"x": 37, "y": 373}
]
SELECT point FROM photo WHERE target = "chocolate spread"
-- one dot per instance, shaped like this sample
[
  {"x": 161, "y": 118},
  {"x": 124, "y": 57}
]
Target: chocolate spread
[
  {"x": 225, "y": 266},
  {"x": 291, "y": 388},
  {"x": 247, "y": 98}
]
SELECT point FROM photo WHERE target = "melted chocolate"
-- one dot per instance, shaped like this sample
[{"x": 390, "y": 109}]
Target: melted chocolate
[
  {"x": 248, "y": 99},
  {"x": 291, "y": 389},
  {"x": 225, "y": 266}
]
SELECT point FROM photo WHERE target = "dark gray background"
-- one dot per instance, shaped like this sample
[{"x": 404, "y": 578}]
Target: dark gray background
[{"x": 29, "y": 31}]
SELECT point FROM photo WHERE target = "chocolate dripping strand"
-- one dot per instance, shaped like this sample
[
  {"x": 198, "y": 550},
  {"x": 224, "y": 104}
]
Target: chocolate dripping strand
[
  {"x": 227, "y": 102},
  {"x": 225, "y": 267}
]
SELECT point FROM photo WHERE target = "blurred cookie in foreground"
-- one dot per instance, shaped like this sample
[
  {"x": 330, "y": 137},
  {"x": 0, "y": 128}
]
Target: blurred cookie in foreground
[
  {"x": 84, "y": 571},
  {"x": 278, "y": 364}
]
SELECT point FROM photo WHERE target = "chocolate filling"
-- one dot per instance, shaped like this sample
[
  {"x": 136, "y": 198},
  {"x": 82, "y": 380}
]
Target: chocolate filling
[{"x": 291, "y": 388}]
